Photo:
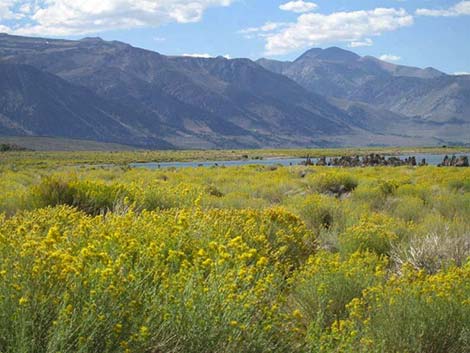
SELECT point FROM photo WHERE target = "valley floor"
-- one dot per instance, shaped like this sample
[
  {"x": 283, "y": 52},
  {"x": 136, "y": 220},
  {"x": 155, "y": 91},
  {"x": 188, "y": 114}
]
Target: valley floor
[{"x": 99, "y": 257}]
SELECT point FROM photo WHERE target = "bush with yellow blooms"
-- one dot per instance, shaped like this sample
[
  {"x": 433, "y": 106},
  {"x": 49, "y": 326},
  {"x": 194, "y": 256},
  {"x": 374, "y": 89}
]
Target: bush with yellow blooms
[{"x": 109, "y": 259}]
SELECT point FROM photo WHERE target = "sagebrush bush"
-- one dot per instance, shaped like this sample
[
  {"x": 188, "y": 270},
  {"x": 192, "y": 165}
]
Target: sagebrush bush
[
  {"x": 336, "y": 183},
  {"x": 52, "y": 191},
  {"x": 433, "y": 252},
  {"x": 415, "y": 313},
  {"x": 409, "y": 208},
  {"x": 326, "y": 284},
  {"x": 370, "y": 196},
  {"x": 460, "y": 184},
  {"x": 319, "y": 212},
  {"x": 93, "y": 197},
  {"x": 117, "y": 259},
  {"x": 375, "y": 233},
  {"x": 172, "y": 281},
  {"x": 453, "y": 205},
  {"x": 156, "y": 195},
  {"x": 323, "y": 215}
]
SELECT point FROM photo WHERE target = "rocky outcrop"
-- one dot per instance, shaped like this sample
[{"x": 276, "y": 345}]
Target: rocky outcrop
[
  {"x": 378, "y": 160},
  {"x": 454, "y": 161},
  {"x": 322, "y": 162},
  {"x": 371, "y": 160}
]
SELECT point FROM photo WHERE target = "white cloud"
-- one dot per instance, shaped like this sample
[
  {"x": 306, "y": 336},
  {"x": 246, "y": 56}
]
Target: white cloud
[
  {"x": 460, "y": 9},
  {"x": 364, "y": 43},
  {"x": 267, "y": 27},
  {"x": 4, "y": 29},
  {"x": 6, "y": 10},
  {"x": 462, "y": 73},
  {"x": 262, "y": 31},
  {"x": 389, "y": 57},
  {"x": 298, "y": 6},
  {"x": 67, "y": 17},
  {"x": 312, "y": 29}
]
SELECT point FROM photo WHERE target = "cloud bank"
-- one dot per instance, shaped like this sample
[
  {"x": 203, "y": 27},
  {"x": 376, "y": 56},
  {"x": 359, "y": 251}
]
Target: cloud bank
[
  {"x": 313, "y": 29},
  {"x": 460, "y": 9},
  {"x": 298, "y": 6},
  {"x": 75, "y": 17}
]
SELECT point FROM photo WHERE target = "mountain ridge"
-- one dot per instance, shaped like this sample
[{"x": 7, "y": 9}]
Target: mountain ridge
[
  {"x": 187, "y": 102},
  {"x": 161, "y": 101},
  {"x": 427, "y": 97}
]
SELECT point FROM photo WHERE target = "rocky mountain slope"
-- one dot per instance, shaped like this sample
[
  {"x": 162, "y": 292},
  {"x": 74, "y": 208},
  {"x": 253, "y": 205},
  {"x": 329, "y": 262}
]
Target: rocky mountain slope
[
  {"x": 33, "y": 102},
  {"x": 420, "y": 102},
  {"x": 113, "y": 92},
  {"x": 413, "y": 92},
  {"x": 186, "y": 102}
]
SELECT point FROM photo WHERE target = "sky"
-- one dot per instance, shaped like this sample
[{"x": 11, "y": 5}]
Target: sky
[{"x": 423, "y": 33}]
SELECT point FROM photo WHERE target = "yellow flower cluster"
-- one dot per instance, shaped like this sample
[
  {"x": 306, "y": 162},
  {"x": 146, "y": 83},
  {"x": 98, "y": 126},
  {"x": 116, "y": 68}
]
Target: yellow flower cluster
[
  {"x": 148, "y": 278},
  {"x": 382, "y": 318},
  {"x": 248, "y": 259}
]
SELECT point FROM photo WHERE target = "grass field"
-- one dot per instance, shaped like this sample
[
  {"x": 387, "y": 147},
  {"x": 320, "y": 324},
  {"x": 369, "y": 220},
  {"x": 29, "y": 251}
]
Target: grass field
[
  {"x": 54, "y": 159},
  {"x": 37, "y": 143},
  {"x": 240, "y": 259}
]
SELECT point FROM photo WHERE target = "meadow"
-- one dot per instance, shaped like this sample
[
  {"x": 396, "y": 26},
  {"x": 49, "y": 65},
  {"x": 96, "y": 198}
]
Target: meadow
[{"x": 231, "y": 259}]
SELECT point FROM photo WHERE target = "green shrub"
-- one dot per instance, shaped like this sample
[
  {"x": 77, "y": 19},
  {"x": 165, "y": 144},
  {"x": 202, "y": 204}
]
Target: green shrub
[
  {"x": 409, "y": 208},
  {"x": 52, "y": 191},
  {"x": 388, "y": 187},
  {"x": 324, "y": 215},
  {"x": 95, "y": 197},
  {"x": 326, "y": 284},
  {"x": 319, "y": 212},
  {"x": 453, "y": 205},
  {"x": 374, "y": 233},
  {"x": 460, "y": 184},
  {"x": 92, "y": 197},
  {"x": 414, "y": 313},
  {"x": 336, "y": 183},
  {"x": 371, "y": 196},
  {"x": 156, "y": 195},
  {"x": 214, "y": 191}
]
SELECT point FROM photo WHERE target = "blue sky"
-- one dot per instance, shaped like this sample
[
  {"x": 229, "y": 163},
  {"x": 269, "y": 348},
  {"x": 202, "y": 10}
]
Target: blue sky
[{"x": 410, "y": 32}]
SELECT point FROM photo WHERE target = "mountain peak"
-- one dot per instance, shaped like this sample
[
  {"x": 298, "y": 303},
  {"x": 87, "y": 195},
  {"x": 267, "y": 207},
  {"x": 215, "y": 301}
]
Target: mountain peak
[
  {"x": 92, "y": 39},
  {"x": 330, "y": 54},
  {"x": 311, "y": 53}
]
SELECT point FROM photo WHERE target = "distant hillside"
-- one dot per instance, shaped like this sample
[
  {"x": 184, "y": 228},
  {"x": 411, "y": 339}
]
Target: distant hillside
[
  {"x": 112, "y": 92},
  {"x": 33, "y": 102},
  {"x": 186, "y": 102},
  {"x": 61, "y": 144},
  {"x": 425, "y": 102},
  {"x": 338, "y": 73}
]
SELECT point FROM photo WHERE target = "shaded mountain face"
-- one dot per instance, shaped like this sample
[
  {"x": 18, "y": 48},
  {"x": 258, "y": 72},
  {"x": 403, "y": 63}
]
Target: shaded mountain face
[
  {"x": 33, "y": 102},
  {"x": 442, "y": 100},
  {"x": 338, "y": 73},
  {"x": 113, "y": 92},
  {"x": 424, "y": 93},
  {"x": 186, "y": 102},
  {"x": 383, "y": 97}
]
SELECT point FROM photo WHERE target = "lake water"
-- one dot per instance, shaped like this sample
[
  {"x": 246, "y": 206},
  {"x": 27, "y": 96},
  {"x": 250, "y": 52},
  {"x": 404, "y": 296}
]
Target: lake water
[{"x": 431, "y": 159}]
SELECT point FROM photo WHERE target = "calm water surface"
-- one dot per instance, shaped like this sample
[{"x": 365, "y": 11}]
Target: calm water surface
[{"x": 431, "y": 159}]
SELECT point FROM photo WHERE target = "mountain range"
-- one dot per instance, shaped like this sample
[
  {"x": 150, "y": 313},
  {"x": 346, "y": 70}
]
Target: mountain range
[{"x": 112, "y": 92}]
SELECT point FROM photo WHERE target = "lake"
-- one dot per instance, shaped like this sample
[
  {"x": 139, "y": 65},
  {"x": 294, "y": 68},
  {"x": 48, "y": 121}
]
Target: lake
[{"x": 431, "y": 159}]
